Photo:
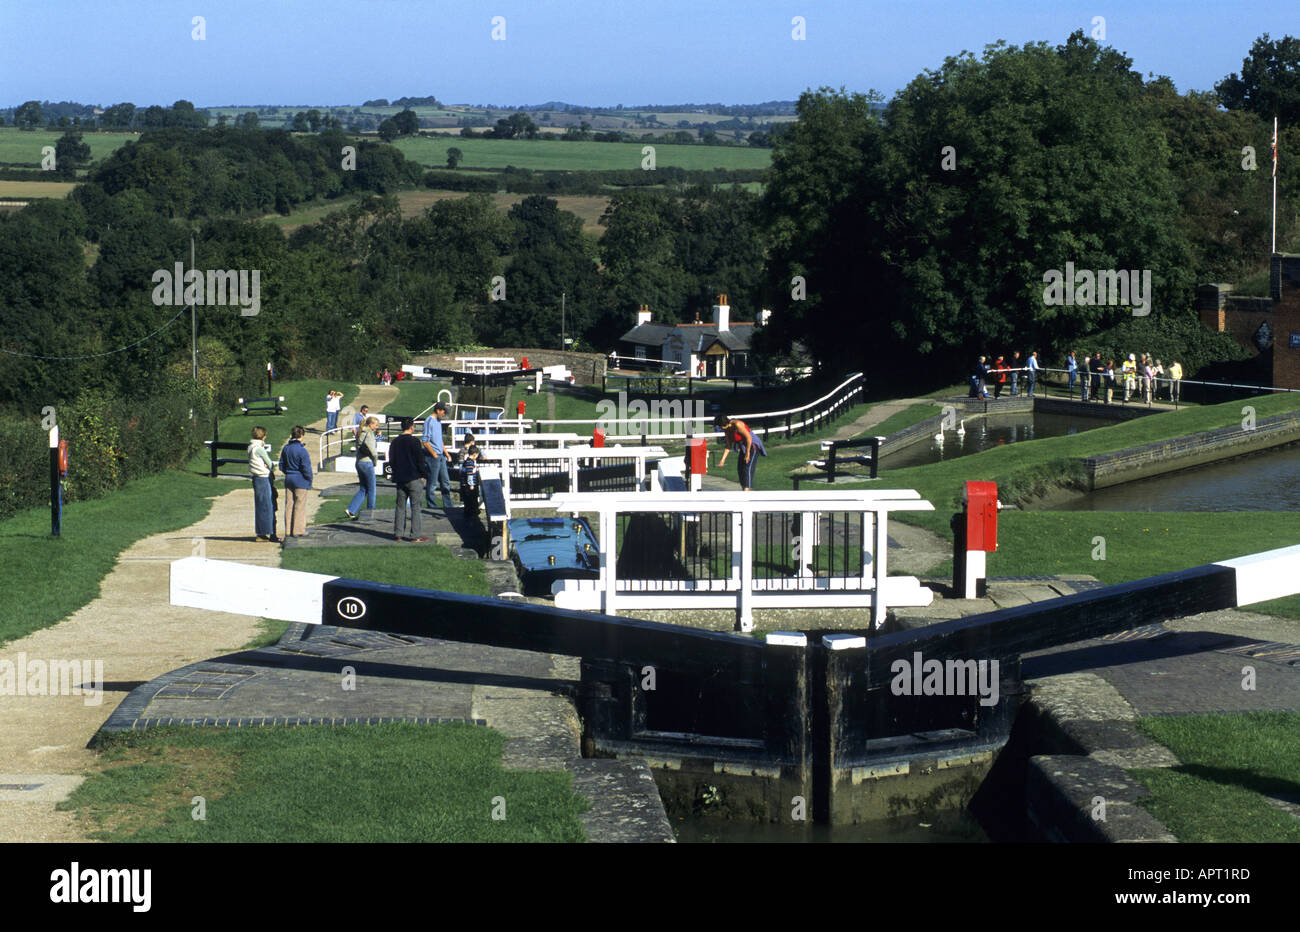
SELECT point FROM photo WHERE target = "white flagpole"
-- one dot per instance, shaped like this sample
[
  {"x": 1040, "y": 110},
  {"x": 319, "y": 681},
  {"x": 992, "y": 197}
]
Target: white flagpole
[{"x": 1274, "y": 184}]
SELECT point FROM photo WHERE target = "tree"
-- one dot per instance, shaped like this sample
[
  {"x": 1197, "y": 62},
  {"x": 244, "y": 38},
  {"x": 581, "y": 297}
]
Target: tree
[
  {"x": 119, "y": 116},
  {"x": 28, "y": 115},
  {"x": 247, "y": 120},
  {"x": 407, "y": 123},
  {"x": 454, "y": 156},
  {"x": 549, "y": 258},
  {"x": 182, "y": 113},
  {"x": 299, "y": 123},
  {"x": 1056, "y": 162},
  {"x": 388, "y": 130},
  {"x": 314, "y": 120},
  {"x": 1269, "y": 83},
  {"x": 517, "y": 124},
  {"x": 70, "y": 153}
]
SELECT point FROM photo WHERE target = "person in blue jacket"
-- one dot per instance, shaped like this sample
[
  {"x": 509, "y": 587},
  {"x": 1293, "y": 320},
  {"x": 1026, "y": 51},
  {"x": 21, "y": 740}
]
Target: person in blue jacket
[{"x": 295, "y": 463}]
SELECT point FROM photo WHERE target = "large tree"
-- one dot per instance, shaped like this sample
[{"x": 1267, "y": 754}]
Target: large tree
[
  {"x": 1269, "y": 83},
  {"x": 928, "y": 238},
  {"x": 553, "y": 286},
  {"x": 29, "y": 115},
  {"x": 70, "y": 153}
]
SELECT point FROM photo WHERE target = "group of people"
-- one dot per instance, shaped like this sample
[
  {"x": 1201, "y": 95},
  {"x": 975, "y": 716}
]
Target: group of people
[
  {"x": 1001, "y": 371},
  {"x": 418, "y": 466},
  {"x": 295, "y": 464},
  {"x": 388, "y": 377},
  {"x": 1097, "y": 380}
]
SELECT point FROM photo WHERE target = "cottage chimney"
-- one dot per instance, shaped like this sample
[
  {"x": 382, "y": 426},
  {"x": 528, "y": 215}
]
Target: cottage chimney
[
  {"x": 722, "y": 314},
  {"x": 643, "y": 315}
]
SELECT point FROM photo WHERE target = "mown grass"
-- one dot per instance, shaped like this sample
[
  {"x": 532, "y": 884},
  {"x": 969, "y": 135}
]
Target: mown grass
[
  {"x": 1023, "y": 470},
  {"x": 787, "y": 455},
  {"x": 557, "y": 155},
  {"x": 1229, "y": 763},
  {"x": 50, "y": 578},
  {"x": 1135, "y": 545},
  {"x": 425, "y": 566},
  {"x": 364, "y": 783},
  {"x": 304, "y": 401}
]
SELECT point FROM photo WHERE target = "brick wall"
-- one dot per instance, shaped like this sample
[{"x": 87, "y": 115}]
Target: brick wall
[
  {"x": 1284, "y": 285},
  {"x": 1242, "y": 316}
]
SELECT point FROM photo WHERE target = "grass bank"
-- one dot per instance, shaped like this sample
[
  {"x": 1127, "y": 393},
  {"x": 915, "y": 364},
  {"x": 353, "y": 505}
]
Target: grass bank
[
  {"x": 1024, "y": 470},
  {"x": 304, "y": 402},
  {"x": 1230, "y": 763},
  {"x": 50, "y": 578},
  {"x": 363, "y": 783}
]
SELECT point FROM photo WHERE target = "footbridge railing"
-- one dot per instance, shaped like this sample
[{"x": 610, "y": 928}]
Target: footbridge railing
[{"x": 743, "y": 550}]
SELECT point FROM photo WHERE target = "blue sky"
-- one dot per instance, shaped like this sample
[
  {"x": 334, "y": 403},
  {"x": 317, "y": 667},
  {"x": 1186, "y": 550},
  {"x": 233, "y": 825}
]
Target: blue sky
[{"x": 599, "y": 52}]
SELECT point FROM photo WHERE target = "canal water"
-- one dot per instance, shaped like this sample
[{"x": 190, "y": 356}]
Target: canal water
[
  {"x": 985, "y": 433},
  {"x": 948, "y": 827},
  {"x": 1265, "y": 481}
]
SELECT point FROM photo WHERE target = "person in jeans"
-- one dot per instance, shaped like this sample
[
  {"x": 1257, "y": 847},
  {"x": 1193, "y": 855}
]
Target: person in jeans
[
  {"x": 260, "y": 469},
  {"x": 404, "y": 455},
  {"x": 295, "y": 463},
  {"x": 435, "y": 458},
  {"x": 367, "y": 463},
  {"x": 736, "y": 433},
  {"x": 333, "y": 401},
  {"x": 469, "y": 476},
  {"x": 1032, "y": 366}
]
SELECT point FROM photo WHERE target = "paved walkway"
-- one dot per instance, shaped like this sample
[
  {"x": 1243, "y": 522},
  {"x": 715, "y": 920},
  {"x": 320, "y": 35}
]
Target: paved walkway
[{"x": 136, "y": 634}]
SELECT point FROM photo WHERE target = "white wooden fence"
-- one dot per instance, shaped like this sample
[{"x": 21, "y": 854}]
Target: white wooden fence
[{"x": 864, "y": 584}]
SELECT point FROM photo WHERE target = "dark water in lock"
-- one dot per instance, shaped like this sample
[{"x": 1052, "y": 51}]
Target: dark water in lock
[
  {"x": 959, "y": 827},
  {"x": 988, "y": 432},
  {"x": 1265, "y": 481}
]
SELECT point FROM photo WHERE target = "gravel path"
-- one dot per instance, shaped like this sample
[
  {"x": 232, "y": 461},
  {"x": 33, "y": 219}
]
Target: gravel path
[{"x": 136, "y": 634}]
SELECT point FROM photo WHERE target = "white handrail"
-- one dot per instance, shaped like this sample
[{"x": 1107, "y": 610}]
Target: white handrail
[
  {"x": 812, "y": 405},
  {"x": 871, "y": 587}
]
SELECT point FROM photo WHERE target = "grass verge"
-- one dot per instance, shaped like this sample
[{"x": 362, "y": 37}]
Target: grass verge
[
  {"x": 50, "y": 578},
  {"x": 1229, "y": 764},
  {"x": 362, "y": 783},
  {"x": 304, "y": 402}
]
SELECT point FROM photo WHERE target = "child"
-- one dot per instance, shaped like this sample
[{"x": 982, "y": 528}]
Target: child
[{"x": 469, "y": 476}]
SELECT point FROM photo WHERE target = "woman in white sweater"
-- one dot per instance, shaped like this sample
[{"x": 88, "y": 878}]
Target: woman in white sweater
[{"x": 260, "y": 468}]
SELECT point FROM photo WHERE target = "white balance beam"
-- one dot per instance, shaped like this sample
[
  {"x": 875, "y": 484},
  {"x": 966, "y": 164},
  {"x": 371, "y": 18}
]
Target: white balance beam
[
  {"x": 243, "y": 589},
  {"x": 1268, "y": 575}
]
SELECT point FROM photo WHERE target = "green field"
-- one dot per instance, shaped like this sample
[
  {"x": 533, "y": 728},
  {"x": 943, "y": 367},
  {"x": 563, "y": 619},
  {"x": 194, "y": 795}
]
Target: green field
[
  {"x": 415, "y": 201},
  {"x": 22, "y": 149},
  {"x": 576, "y": 156}
]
